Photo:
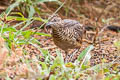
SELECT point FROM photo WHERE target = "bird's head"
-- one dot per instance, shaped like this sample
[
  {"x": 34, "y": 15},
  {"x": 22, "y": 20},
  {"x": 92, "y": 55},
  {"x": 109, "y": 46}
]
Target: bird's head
[
  {"x": 54, "y": 18},
  {"x": 55, "y": 22}
]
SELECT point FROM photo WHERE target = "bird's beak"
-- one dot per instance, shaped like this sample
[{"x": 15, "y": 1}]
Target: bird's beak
[{"x": 48, "y": 26}]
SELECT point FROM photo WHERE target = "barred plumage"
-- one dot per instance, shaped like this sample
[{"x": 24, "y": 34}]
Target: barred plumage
[{"x": 67, "y": 34}]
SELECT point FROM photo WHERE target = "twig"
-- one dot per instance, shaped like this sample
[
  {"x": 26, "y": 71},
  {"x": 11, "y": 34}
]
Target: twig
[
  {"x": 97, "y": 30},
  {"x": 57, "y": 10},
  {"x": 102, "y": 29}
]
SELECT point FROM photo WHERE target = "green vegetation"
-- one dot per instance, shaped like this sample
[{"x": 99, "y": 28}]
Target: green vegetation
[{"x": 18, "y": 64}]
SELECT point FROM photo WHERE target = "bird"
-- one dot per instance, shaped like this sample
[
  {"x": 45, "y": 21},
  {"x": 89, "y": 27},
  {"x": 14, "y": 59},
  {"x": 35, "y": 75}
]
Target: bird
[
  {"x": 66, "y": 33},
  {"x": 70, "y": 34}
]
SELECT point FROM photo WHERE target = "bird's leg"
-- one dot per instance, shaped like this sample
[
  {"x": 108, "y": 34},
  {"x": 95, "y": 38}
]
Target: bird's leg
[
  {"x": 72, "y": 55},
  {"x": 67, "y": 56}
]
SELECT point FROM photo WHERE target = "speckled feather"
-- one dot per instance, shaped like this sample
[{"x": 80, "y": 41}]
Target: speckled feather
[{"x": 67, "y": 34}]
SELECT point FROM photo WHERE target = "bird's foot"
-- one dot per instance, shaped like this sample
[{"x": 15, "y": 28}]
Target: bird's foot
[
  {"x": 70, "y": 57},
  {"x": 73, "y": 54},
  {"x": 67, "y": 59}
]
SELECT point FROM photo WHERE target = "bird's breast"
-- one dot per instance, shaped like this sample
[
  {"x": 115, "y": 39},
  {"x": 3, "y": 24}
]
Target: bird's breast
[{"x": 65, "y": 39}]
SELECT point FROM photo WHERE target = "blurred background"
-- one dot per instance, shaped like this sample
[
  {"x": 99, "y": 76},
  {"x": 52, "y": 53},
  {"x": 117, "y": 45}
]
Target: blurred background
[
  {"x": 28, "y": 52},
  {"x": 86, "y": 11}
]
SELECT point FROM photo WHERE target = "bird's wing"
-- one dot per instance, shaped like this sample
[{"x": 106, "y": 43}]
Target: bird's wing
[
  {"x": 76, "y": 28},
  {"x": 71, "y": 23}
]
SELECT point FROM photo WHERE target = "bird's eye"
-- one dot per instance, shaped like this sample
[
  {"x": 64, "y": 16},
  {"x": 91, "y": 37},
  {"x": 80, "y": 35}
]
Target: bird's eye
[{"x": 54, "y": 20}]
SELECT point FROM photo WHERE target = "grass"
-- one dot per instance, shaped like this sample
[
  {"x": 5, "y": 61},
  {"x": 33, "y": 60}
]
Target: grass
[{"x": 17, "y": 63}]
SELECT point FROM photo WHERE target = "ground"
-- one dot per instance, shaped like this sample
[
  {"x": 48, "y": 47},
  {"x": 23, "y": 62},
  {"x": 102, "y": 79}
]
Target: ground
[
  {"x": 105, "y": 49},
  {"x": 26, "y": 61}
]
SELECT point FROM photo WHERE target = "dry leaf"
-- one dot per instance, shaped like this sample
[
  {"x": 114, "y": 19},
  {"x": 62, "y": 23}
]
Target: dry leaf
[
  {"x": 100, "y": 75},
  {"x": 19, "y": 51}
]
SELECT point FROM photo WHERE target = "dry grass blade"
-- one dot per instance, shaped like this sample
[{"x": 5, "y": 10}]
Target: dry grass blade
[
  {"x": 48, "y": 19},
  {"x": 3, "y": 52}
]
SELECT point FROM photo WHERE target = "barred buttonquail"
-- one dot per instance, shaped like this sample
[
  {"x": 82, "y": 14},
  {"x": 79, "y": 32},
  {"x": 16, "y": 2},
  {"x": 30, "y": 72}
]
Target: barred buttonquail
[{"x": 67, "y": 34}]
